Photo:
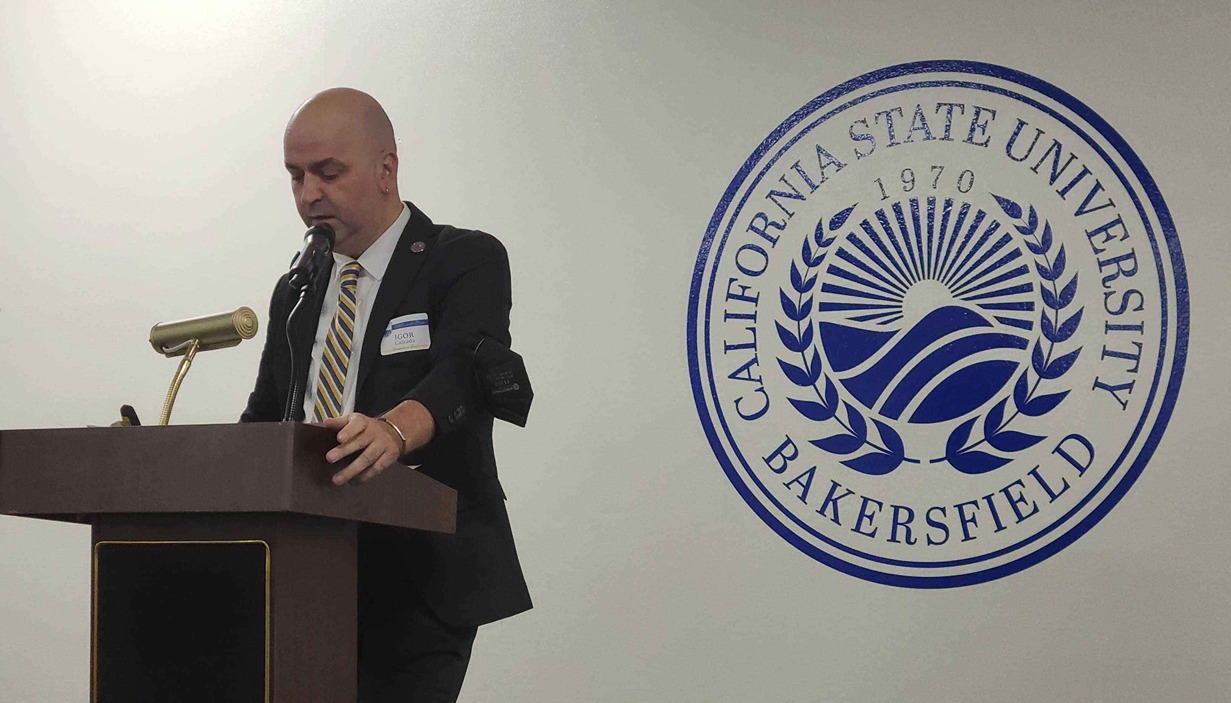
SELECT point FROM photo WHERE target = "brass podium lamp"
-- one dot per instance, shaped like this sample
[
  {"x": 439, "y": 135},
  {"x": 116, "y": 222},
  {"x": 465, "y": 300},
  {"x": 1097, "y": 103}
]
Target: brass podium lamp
[{"x": 187, "y": 337}]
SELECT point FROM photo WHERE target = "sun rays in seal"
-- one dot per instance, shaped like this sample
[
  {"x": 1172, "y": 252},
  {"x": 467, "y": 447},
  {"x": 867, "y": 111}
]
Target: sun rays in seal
[{"x": 948, "y": 247}]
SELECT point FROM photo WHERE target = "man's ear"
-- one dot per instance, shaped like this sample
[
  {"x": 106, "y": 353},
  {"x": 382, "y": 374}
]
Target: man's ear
[{"x": 389, "y": 171}]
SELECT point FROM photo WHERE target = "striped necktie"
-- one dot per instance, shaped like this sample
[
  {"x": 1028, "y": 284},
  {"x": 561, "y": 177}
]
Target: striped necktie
[{"x": 336, "y": 357}]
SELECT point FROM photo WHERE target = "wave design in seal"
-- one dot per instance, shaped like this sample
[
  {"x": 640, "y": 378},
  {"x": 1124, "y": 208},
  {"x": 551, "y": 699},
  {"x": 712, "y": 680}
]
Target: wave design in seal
[{"x": 928, "y": 365}]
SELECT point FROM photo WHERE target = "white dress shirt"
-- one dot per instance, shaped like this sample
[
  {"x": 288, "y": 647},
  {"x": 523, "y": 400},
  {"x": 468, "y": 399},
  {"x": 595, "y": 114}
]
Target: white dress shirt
[{"x": 375, "y": 261}]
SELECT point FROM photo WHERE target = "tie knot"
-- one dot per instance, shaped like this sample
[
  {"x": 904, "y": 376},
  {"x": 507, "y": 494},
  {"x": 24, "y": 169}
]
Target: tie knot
[{"x": 350, "y": 273}]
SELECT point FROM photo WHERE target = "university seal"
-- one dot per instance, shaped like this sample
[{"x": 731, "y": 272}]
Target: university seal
[{"x": 937, "y": 324}]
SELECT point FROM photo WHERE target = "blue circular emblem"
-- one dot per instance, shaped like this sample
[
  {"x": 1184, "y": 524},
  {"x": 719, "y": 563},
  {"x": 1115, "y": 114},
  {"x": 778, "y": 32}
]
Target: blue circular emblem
[{"x": 937, "y": 324}]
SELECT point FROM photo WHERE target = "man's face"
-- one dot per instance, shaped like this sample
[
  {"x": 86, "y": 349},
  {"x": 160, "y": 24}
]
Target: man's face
[{"x": 335, "y": 178}]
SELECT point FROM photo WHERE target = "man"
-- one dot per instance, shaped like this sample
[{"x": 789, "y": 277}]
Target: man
[{"x": 421, "y": 596}]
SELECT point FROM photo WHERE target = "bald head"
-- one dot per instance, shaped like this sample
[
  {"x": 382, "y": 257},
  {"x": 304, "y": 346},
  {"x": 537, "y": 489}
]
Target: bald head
[
  {"x": 349, "y": 109},
  {"x": 342, "y": 157}
]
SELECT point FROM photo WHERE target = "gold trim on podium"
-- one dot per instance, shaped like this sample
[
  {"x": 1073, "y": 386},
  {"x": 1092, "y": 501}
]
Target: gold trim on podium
[{"x": 94, "y": 601}]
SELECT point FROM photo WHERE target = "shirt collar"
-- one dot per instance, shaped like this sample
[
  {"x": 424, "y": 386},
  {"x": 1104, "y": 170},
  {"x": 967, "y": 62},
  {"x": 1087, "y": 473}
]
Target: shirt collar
[{"x": 375, "y": 260}]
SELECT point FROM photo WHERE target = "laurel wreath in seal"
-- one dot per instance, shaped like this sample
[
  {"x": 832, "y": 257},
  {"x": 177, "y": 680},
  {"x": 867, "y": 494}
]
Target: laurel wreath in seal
[
  {"x": 887, "y": 452},
  {"x": 1047, "y": 362}
]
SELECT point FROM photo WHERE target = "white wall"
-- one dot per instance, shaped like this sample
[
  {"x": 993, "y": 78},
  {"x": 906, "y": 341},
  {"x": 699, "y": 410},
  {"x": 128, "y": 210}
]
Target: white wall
[{"x": 141, "y": 181}]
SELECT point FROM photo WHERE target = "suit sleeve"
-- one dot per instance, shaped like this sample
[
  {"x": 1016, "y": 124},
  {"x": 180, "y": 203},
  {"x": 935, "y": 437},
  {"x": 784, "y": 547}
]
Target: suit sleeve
[
  {"x": 264, "y": 405},
  {"x": 474, "y": 303}
]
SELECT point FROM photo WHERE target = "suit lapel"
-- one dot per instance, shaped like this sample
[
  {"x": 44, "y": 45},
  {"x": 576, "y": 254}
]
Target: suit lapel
[{"x": 403, "y": 267}]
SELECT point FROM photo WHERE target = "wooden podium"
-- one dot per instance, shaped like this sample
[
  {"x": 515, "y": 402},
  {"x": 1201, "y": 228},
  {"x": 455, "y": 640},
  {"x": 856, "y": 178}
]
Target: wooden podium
[{"x": 224, "y": 559}]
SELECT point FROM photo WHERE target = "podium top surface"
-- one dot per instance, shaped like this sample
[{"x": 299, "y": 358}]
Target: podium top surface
[{"x": 73, "y": 474}]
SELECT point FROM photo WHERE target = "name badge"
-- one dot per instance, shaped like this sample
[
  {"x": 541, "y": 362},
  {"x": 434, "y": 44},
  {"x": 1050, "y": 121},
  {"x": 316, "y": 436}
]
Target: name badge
[{"x": 406, "y": 333}]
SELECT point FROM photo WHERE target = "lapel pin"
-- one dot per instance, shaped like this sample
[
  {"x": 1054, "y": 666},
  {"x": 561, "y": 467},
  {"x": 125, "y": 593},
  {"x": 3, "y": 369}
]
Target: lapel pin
[{"x": 417, "y": 247}]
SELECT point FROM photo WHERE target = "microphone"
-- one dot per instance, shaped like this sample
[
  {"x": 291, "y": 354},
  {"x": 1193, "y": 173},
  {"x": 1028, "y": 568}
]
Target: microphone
[
  {"x": 226, "y": 329},
  {"x": 318, "y": 245}
]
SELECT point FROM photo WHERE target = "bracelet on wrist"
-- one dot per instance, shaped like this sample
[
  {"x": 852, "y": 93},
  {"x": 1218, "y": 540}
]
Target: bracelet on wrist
[{"x": 400, "y": 435}]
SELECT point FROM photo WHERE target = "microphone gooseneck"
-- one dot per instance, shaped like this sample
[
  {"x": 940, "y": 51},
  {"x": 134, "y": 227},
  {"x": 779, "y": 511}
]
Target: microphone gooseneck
[{"x": 317, "y": 248}]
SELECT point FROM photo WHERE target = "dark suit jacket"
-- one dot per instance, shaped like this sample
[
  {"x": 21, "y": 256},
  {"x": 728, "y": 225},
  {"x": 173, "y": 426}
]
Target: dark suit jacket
[{"x": 461, "y": 280}]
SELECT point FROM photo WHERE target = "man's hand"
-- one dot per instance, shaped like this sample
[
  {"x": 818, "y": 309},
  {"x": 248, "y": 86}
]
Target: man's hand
[{"x": 378, "y": 444}]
